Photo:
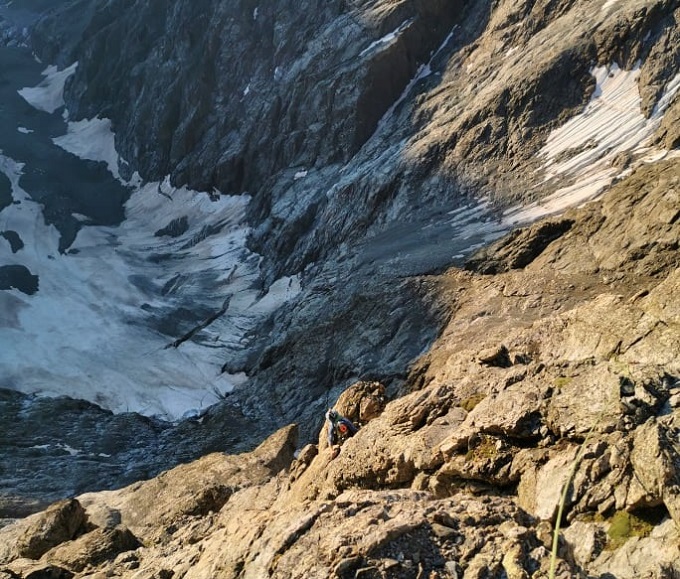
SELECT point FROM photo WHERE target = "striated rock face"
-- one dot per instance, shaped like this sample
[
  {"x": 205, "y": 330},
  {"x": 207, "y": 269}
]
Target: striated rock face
[
  {"x": 306, "y": 108},
  {"x": 233, "y": 77},
  {"x": 573, "y": 370}
]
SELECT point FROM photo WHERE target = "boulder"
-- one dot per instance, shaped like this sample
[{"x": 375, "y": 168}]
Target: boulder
[
  {"x": 656, "y": 477},
  {"x": 540, "y": 490},
  {"x": 92, "y": 549},
  {"x": 362, "y": 401},
  {"x": 41, "y": 532},
  {"x": 585, "y": 541}
]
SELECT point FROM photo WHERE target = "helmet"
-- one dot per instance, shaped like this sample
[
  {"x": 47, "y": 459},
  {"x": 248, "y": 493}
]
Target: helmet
[{"x": 332, "y": 415}]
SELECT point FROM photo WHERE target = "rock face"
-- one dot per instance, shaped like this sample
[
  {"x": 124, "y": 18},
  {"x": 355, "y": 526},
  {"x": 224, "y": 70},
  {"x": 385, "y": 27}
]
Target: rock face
[
  {"x": 243, "y": 97},
  {"x": 554, "y": 350},
  {"x": 473, "y": 127},
  {"x": 242, "y": 75},
  {"x": 574, "y": 371}
]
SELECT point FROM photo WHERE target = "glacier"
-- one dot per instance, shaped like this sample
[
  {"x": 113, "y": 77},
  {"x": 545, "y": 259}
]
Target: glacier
[{"x": 112, "y": 304}]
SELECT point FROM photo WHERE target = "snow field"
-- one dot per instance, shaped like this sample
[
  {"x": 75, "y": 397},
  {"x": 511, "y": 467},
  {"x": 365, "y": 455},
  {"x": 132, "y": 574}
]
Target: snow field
[{"x": 92, "y": 329}]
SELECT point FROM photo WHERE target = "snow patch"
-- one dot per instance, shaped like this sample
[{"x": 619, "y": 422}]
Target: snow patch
[
  {"x": 24, "y": 130},
  {"x": 468, "y": 222},
  {"x": 584, "y": 190},
  {"x": 81, "y": 218},
  {"x": 281, "y": 291},
  {"x": 388, "y": 39},
  {"x": 93, "y": 330},
  {"x": 611, "y": 123},
  {"x": 300, "y": 175},
  {"x": 667, "y": 98},
  {"x": 422, "y": 72},
  {"x": 584, "y": 149},
  {"x": 91, "y": 139},
  {"x": 61, "y": 446},
  {"x": 608, "y": 4},
  {"x": 72, "y": 451},
  {"x": 48, "y": 96}
]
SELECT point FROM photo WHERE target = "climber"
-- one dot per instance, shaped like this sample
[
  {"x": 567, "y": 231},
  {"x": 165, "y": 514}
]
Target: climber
[{"x": 339, "y": 430}]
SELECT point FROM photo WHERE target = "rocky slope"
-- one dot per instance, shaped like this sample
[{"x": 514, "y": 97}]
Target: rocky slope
[
  {"x": 52, "y": 448},
  {"x": 561, "y": 352},
  {"x": 471, "y": 129},
  {"x": 359, "y": 163}
]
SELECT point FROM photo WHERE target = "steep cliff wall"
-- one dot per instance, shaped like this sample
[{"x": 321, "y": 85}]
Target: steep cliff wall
[
  {"x": 243, "y": 97},
  {"x": 226, "y": 95},
  {"x": 379, "y": 141}
]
